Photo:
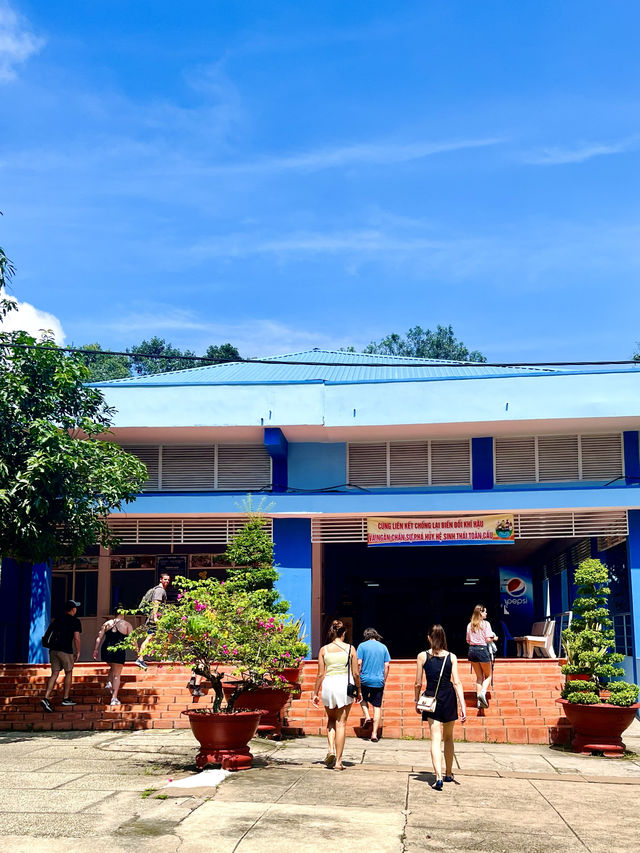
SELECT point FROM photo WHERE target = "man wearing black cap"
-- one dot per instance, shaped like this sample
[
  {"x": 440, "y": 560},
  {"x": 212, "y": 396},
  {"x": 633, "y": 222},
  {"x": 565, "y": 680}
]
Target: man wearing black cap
[{"x": 63, "y": 637}]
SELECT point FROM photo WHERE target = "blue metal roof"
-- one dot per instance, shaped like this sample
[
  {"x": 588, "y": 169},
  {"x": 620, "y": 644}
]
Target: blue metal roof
[{"x": 330, "y": 366}]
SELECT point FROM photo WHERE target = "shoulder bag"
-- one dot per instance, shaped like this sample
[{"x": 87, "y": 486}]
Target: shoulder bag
[
  {"x": 352, "y": 688},
  {"x": 428, "y": 703}
]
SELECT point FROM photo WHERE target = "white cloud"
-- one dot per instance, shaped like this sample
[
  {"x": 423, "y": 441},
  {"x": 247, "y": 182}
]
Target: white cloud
[
  {"x": 17, "y": 42},
  {"x": 30, "y": 319},
  {"x": 556, "y": 156},
  {"x": 357, "y": 154}
]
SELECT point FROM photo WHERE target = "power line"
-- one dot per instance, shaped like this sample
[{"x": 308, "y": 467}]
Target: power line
[{"x": 408, "y": 363}]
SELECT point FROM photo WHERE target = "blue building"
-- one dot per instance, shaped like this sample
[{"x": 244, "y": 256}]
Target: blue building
[{"x": 334, "y": 445}]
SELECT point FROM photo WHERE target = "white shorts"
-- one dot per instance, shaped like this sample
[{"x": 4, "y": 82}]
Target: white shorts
[{"x": 334, "y": 691}]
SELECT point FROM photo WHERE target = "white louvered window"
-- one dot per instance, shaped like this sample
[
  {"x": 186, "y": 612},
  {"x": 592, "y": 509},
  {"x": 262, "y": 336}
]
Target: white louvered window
[
  {"x": 204, "y": 468},
  {"x": 558, "y": 458},
  {"x": 242, "y": 466},
  {"x": 409, "y": 464},
  {"x": 149, "y": 455}
]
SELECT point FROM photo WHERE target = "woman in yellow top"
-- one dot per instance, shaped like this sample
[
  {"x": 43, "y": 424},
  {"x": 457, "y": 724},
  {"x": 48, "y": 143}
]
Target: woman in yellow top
[{"x": 337, "y": 667}]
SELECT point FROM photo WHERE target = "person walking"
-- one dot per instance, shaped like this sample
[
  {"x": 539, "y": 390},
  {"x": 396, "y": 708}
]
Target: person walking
[
  {"x": 440, "y": 668},
  {"x": 479, "y": 635},
  {"x": 112, "y": 633},
  {"x": 157, "y": 600},
  {"x": 337, "y": 669},
  {"x": 373, "y": 666},
  {"x": 62, "y": 638}
]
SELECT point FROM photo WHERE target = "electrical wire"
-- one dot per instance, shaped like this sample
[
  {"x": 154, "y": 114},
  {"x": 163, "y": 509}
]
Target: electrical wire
[{"x": 273, "y": 361}]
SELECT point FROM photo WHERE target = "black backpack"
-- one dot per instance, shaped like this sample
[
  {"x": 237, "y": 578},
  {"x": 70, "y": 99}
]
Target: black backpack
[{"x": 51, "y": 637}]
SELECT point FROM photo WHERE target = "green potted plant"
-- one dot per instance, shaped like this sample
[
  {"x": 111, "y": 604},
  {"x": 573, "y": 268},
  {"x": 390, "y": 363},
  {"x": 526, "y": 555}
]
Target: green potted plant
[
  {"x": 220, "y": 632},
  {"x": 598, "y": 705}
]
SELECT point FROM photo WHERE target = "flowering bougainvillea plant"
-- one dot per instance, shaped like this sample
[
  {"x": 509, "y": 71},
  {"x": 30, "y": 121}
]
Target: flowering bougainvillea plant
[{"x": 224, "y": 633}]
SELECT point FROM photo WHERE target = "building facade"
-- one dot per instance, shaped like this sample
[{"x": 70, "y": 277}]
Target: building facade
[{"x": 330, "y": 444}]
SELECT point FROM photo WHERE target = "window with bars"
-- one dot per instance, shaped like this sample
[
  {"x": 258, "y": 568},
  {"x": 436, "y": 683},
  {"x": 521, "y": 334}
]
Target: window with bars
[
  {"x": 204, "y": 468},
  {"x": 409, "y": 464},
  {"x": 558, "y": 458}
]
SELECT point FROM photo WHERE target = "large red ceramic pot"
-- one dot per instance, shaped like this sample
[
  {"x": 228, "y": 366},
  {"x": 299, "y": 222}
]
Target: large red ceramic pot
[
  {"x": 598, "y": 728},
  {"x": 224, "y": 738},
  {"x": 577, "y": 676},
  {"x": 291, "y": 673},
  {"x": 271, "y": 700}
]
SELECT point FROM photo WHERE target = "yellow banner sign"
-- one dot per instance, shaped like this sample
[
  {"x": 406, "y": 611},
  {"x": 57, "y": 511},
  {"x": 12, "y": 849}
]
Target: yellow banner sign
[{"x": 442, "y": 530}]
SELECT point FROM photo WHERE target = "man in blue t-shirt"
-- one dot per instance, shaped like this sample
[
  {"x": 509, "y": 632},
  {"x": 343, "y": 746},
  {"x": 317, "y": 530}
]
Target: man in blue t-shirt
[{"x": 373, "y": 663}]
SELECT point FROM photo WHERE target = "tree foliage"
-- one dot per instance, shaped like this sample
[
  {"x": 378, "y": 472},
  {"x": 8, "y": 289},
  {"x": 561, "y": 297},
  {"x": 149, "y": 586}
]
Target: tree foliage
[
  {"x": 223, "y": 351},
  {"x": 423, "y": 343},
  {"x": 105, "y": 367},
  {"x": 590, "y": 639},
  {"x": 251, "y": 569},
  {"x": 142, "y": 364},
  {"x": 57, "y": 480}
]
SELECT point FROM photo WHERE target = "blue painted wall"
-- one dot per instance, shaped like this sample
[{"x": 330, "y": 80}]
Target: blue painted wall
[
  {"x": 25, "y": 601},
  {"x": 631, "y": 445},
  {"x": 315, "y": 465},
  {"x": 292, "y": 539}
]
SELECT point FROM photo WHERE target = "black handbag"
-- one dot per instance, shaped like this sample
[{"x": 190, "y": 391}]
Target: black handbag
[{"x": 352, "y": 688}]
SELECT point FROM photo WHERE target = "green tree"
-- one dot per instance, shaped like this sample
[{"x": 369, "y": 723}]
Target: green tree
[
  {"x": 155, "y": 346},
  {"x": 252, "y": 568},
  {"x": 104, "y": 367},
  {"x": 58, "y": 482},
  {"x": 224, "y": 351},
  {"x": 423, "y": 343}
]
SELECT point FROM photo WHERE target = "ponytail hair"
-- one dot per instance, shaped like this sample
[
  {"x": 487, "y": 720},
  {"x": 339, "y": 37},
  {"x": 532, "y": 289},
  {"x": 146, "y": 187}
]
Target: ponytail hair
[{"x": 336, "y": 629}]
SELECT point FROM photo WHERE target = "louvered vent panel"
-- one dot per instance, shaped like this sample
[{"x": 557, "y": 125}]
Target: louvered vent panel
[
  {"x": 243, "y": 466},
  {"x": 149, "y": 455},
  {"x": 601, "y": 523},
  {"x": 558, "y": 458},
  {"x": 368, "y": 464},
  {"x": 450, "y": 463},
  {"x": 606, "y": 542},
  {"x": 339, "y": 529},
  {"x": 601, "y": 456},
  {"x": 580, "y": 552},
  {"x": 544, "y": 525},
  {"x": 409, "y": 463},
  {"x": 188, "y": 468},
  {"x": 515, "y": 460},
  {"x": 180, "y": 531}
]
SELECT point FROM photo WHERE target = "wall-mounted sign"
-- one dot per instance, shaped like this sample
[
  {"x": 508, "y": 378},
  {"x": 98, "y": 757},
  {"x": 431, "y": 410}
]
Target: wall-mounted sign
[
  {"x": 442, "y": 530},
  {"x": 516, "y": 599}
]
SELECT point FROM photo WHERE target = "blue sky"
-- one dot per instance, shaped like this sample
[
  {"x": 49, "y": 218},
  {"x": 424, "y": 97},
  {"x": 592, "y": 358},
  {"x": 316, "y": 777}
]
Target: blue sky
[{"x": 285, "y": 175}]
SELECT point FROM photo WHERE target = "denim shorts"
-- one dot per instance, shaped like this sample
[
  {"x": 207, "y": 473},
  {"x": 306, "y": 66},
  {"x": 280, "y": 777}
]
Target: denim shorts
[{"x": 479, "y": 654}]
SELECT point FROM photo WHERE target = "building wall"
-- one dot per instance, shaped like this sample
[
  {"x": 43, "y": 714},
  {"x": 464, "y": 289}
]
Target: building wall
[{"x": 314, "y": 465}]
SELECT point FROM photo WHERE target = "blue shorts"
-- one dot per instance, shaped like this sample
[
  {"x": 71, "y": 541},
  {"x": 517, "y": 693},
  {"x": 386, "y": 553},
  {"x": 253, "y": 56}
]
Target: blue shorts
[{"x": 372, "y": 695}]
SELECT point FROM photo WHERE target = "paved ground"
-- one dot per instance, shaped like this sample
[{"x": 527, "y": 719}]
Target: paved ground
[{"x": 113, "y": 791}]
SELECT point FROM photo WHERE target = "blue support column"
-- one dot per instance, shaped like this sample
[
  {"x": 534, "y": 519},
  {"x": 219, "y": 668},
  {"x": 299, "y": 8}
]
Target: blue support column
[
  {"x": 292, "y": 539},
  {"x": 631, "y": 445},
  {"x": 25, "y": 601},
  {"x": 633, "y": 547},
  {"x": 278, "y": 449},
  {"x": 482, "y": 463}
]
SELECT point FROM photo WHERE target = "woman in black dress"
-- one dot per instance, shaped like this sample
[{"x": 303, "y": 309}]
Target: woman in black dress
[
  {"x": 111, "y": 634},
  {"x": 440, "y": 668}
]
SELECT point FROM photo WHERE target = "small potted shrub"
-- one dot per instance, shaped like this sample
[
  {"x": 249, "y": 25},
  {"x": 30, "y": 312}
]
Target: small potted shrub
[
  {"x": 223, "y": 633},
  {"x": 598, "y": 707}
]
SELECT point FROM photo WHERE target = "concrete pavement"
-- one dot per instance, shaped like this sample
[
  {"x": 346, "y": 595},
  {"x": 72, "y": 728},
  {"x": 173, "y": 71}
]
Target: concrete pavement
[{"x": 72, "y": 791}]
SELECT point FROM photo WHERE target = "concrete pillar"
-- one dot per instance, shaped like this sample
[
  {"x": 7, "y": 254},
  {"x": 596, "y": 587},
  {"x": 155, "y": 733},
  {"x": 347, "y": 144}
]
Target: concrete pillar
[
  {"x": 633, "y": 547},
  {"x": 292, "y": 539}
]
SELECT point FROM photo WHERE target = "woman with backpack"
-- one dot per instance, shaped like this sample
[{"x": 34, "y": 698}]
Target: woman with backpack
[{"x": 112, "y": 633}]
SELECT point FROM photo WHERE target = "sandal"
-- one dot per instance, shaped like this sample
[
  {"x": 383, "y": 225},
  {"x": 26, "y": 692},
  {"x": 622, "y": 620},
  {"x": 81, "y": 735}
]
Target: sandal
[
  {"x": 448, "y": 779},
  {"x": 339, "y": 767},
  {"x": 330, "y": 759},
  {"x": 374, "y": 739},
  {"x": 437, "y": 785}
]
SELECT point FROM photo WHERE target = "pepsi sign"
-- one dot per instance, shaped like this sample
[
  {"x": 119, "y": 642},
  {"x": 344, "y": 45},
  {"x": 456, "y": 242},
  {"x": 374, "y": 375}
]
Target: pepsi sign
[{"x": 516, "y": 599}]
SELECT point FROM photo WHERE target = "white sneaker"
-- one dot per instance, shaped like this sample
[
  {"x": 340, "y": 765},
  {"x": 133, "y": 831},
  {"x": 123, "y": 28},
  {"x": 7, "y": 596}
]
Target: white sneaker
[
  {"x": 108, "y": 686},
  {"x": 115, "y": 702},
  {"x": 483, "y": 700}
]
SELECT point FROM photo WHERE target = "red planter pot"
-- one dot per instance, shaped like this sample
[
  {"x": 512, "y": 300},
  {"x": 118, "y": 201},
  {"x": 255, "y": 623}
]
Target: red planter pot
[
  {"x": 577, "y": 676},
  {"x": 291, "y": 673},
  {"x": 224, "y": 738},
  {"x": 598, "y": 728},
  {"x": 270, "y": 700}
]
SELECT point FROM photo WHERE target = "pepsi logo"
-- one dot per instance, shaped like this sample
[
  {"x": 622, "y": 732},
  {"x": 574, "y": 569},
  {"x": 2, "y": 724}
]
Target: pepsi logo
[{"x": 516, "y": 587}]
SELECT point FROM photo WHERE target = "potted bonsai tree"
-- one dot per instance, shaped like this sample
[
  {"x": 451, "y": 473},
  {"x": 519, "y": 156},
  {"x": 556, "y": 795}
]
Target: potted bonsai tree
[
  {"x": 598, "y": 705},
  {"x": 222, "y": 632}
]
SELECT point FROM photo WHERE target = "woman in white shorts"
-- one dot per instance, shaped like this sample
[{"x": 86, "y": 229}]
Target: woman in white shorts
[{"x": 337, "y": 667}]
